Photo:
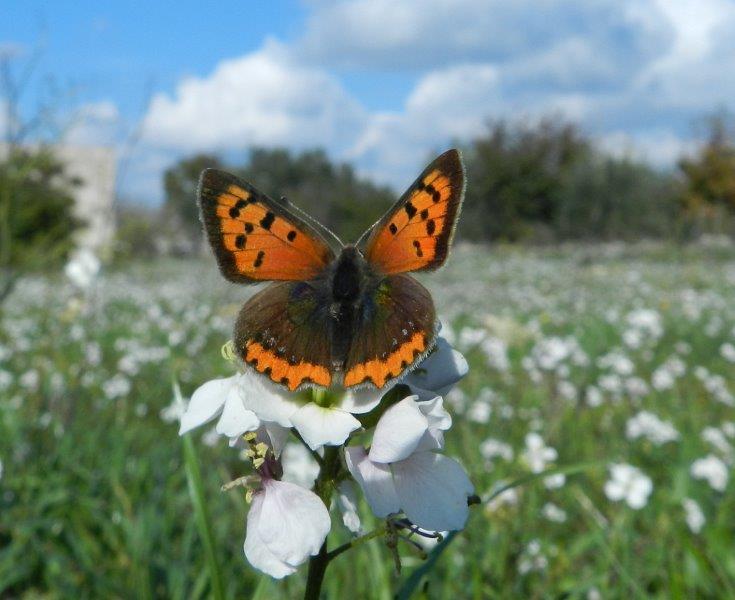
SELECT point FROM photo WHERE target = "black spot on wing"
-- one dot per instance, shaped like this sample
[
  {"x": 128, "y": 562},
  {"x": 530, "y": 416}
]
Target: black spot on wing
[
  {"x": 410, "y": 209},
  {"x": 267, "y": 220},
  {"x": 259, "y": 259}
]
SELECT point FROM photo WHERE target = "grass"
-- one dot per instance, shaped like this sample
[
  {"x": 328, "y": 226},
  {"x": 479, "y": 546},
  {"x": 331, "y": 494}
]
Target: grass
[{"x": 94, "y": 497}]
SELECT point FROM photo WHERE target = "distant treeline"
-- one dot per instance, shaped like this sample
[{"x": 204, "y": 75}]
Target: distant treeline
[
  {"x": 527, "y": 182},
  {"x": 540, "y": 182}
]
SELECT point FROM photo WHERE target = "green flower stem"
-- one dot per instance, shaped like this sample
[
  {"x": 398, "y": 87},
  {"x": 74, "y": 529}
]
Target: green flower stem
[
  {"x": 323, "y": 487},
  {"x": 356, "y": 542}
]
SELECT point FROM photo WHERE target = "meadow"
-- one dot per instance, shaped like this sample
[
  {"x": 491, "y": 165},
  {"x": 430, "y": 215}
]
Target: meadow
[{"x": 612, "y": 363}]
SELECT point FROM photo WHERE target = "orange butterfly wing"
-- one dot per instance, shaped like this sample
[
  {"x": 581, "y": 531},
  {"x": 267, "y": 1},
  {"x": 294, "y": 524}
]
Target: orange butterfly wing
[
  {"x": 417, "y": 231},
  {"x": 256, "y": 238}
]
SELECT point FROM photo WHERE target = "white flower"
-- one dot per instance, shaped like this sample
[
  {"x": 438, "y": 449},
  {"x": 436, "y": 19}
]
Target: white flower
[
  {"x": 82, "y": 268},
  {"x": 286, "y": 525},
  {"x": 727, "y": 351},
  {"x": 537, "y": 454},
  {"x": 693, "y": 515},
  {"x": 117, "y": 387},
  {"x": 174, "y": 411},
  {"x": 713, "y": 470},
  {"x": 553, "y": 513},
  {"x": 479, "y": 412},
  {"x": 347, "y": 503},
  {"x": 299, "y": 466},
  {"x": 630, "y": 484},
  {"x": 490, "y": 448},
  {"x": 496, "y": 351},
  {"x": 649, "y": 426},
  {"x": 717, "y": 438},
  {"x": 1, "y": 469},
  {"x": 593, "y": 396},
  {"x": 532, "y": 559},
  {"x": 437, "y": 373},
  {"x": 402, "y": 471},
  {"x": 219, "y": 398}
]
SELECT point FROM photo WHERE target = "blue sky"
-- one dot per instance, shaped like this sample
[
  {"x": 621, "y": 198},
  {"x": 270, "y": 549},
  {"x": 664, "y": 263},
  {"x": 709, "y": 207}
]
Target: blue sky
[{"x": 380, "y": 83}]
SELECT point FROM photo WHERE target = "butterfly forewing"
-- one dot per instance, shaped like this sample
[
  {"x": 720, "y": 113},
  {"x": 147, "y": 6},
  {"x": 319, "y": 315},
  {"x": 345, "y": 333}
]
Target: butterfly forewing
[
  {"x": 416, "y": 233},
  {"x": 256, "y": 238}
]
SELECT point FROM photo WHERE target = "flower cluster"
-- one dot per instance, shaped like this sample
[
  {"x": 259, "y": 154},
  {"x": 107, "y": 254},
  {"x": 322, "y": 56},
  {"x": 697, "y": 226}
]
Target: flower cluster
[{"x": 389, "y": 442}]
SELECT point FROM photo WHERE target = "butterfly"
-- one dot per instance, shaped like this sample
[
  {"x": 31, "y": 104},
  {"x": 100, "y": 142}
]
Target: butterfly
[{"x": 333, "y": 314}]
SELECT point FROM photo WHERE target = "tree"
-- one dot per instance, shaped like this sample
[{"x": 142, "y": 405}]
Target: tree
[
  {"x": 606, "y": 198},
  {"x": 329, "y": 192},
  {"x": 709, "y": 176},
  {"x": 37, "y": 222},
  {"x": 36, "y": 214},
  {"x": 180, "y": 210},
  {"x": 516, "y": 173}
]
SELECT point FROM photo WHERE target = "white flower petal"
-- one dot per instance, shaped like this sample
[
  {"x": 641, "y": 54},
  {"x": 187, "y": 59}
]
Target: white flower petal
[
  {"x": 321, "y": 426},
  {"x": 439, "y": 371},
  {"x": 278, "y": 436},
  {"x": 436, "y": 414},
  {"x": 236, "y": 419},
  {"x": 398, "y": 432},
  {"x": 375, "y": 480},
  {"x": 265, "y": 399},
  {"x": 256, "y": 551},
  {"x": 347, "y": 502},
  {"x": 433, "y": 490},
  {"x": 362, "y": 401},
  {"x": 292, "y": 521},
  {"x": 206, "y": 403}
]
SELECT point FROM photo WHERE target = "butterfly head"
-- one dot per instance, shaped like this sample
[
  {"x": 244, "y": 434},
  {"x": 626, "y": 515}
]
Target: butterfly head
[{"x": 348, "y": 275}]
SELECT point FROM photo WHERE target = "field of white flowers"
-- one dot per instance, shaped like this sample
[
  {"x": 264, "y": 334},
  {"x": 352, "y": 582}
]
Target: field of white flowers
[{"x": 614, "y": 363}]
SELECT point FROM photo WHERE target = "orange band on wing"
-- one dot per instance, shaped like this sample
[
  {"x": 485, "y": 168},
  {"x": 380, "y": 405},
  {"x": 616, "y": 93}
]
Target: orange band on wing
[
  {"x": 281, "y": 371},
  {"x": 381, "y": 371}
]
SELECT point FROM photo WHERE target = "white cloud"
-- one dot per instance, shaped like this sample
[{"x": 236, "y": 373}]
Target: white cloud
[
  {"x": 634, "y": 72},
  {"x": 660, "y": 147},
  {"x": 263, "y": 98}
]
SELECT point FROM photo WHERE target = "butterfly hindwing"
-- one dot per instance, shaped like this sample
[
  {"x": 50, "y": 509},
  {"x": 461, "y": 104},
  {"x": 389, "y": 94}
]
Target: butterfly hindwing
[
  {"x": 256, "y": 238},
  {"x": 415, "y": 234},
  {"x": 283, "y": 332},
  {"x": 396, "y": 329}
]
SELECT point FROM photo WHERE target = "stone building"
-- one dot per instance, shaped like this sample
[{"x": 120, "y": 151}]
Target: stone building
[{"x": 95, "y": 167}]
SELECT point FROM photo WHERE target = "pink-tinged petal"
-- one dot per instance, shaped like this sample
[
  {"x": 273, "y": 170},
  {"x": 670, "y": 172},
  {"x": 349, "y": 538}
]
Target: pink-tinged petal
[
  {"x": 236, "y": 419},
  {"x": 375, "y": 480},
  {"x": 433, "y": 490},
  {"x": 398, "y": 432},
  {"x": 206, "y": 403},
  {"x": 265, "y": 399},
  {"x": 320, "y": 426},
  {"x": 438, "y": 372},
  {"x": 363, "y": 401},
  {"x": 256, "y": 551},
  {"x": 292, "y": 522}
]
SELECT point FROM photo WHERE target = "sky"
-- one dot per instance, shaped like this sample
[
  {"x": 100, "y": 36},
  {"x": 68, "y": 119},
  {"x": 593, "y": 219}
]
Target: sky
[{"x": 383, "y": 84}]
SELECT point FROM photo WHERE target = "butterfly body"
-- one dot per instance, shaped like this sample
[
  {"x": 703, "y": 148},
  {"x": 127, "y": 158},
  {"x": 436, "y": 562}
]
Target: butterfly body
[{"x": 352, "y": 317}]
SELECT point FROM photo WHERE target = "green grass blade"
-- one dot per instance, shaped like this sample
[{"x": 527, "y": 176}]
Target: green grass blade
[{"x": 201, "y": 515}]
